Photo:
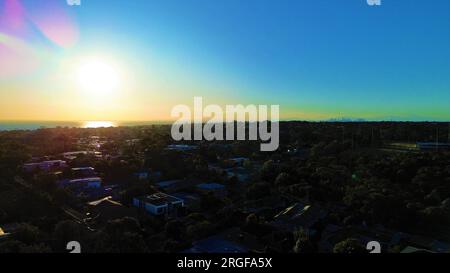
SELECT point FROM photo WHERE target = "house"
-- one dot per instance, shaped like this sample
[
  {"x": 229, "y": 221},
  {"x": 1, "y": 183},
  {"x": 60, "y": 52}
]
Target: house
[
  {"x": 87, "y": 183},
  {"x": 103, "y": 210},
  {"x": 181, "y": 147},
  {"x": 299, "y": 216},
  {"x": 216, "y": 189},
  {"x": 45, "y": 165},
  {"x": 74, "y": 155},
  {"x": 83, "y": 172},
  {"x": 159, "y": 204},
  {"x": 89, "y": 188}
]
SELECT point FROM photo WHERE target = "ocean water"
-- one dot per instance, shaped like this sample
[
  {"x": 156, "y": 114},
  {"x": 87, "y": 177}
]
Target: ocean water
[{"x": 33, "y": 125}]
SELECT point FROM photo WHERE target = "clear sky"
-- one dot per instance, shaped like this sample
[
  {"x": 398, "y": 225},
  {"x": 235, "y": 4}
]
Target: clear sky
[{"x": 317, "y": 59}]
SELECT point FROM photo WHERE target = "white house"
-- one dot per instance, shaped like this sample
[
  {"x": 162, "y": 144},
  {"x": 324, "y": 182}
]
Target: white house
[
  {"x": 45, "y": 165},
  {"x": 159, "y": 204}
]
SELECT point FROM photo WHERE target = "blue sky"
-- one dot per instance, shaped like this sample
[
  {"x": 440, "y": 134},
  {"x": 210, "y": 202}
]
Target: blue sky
[{"x": 318, "y": 59}]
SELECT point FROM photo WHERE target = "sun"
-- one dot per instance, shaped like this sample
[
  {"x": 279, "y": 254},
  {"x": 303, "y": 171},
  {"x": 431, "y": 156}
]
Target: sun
[{"x": 98, "y": 76}]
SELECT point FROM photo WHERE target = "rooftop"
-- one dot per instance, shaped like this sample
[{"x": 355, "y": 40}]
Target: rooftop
[
  {"x": 107, "y": 209},
  {"x": 168, "y": 183},
  {"x": 107, "y": 199},
  {"x": 46, "y": 162},
  {"x": 88, "y": 179},
  {"x": 211, "y": 186},
  {"x": 83, "y": 169},
  {"x": 181, "y": 147},
  {"x": 299, "y": 215},
  {"x": 159, "y": 199}
]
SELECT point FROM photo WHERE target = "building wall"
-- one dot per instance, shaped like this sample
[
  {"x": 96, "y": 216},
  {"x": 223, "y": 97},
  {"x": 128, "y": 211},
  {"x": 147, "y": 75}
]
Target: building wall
[
  {"x": 154, "y": 209},
  {"x": 157, "y": 210}
]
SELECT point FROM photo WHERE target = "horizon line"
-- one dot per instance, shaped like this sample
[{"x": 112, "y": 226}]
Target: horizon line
[{"x": 331, "y": 120}]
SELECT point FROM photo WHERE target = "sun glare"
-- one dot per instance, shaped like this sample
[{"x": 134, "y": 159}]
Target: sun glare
[
  {"x": 98, "y": 77},
  {"x": 98, "y": 124}
]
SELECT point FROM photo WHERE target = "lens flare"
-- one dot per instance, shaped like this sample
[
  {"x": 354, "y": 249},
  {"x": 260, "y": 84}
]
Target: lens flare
[
  {"x": 16, "y": 57},
  {"x": 54, "y": 21},
  {"x": 12, "y": 17},
  {"x": 22, "y": 23}
]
